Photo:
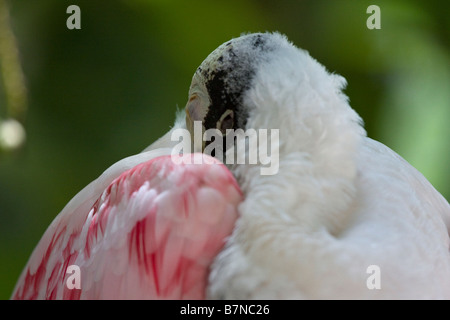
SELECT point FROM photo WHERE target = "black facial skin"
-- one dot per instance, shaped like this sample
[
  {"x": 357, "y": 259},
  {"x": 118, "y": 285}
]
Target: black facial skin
[
  {"x": 230, "y": 78},
  {"x": 238, "y": 70}
]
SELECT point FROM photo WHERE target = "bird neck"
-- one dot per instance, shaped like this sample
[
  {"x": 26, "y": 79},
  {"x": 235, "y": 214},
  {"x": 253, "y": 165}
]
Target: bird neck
[
  {"x": 315, "y": 181},
  {"x": 319, "y": 138}
]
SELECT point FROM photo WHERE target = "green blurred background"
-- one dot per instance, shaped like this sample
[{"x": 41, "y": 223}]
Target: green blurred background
[{"x": 107, "y": 91}]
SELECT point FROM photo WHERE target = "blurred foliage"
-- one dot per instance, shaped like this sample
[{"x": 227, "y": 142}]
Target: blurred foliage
[
  {"x": 12, "y": 133},
  {"x": 107, "y": 91}
]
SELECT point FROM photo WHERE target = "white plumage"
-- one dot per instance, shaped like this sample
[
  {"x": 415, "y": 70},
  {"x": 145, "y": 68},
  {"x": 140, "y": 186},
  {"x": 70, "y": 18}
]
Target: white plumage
[{"x": 340, "y": 202}]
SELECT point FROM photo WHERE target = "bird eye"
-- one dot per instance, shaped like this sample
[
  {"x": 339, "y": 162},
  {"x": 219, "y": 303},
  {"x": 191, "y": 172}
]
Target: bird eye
[{"x": 226, "y": 121}]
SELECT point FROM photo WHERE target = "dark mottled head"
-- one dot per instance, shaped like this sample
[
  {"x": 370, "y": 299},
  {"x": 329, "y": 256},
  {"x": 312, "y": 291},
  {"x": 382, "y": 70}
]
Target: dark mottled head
[{"x": 218, "y": 85}]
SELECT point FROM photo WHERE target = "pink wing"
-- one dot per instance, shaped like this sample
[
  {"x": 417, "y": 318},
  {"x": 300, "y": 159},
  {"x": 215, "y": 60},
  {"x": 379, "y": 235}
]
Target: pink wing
[{"x": 151, "y": 234}]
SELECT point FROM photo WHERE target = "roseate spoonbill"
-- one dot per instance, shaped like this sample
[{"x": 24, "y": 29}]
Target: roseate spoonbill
[{"x": 343, "y": 217}]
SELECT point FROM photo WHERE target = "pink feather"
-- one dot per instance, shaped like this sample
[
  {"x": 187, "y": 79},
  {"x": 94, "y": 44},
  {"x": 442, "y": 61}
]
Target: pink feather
[{"x": 151, "y": 234}]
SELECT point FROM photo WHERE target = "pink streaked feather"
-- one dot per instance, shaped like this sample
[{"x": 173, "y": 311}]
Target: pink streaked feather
[{"x": 151, "y": 234}]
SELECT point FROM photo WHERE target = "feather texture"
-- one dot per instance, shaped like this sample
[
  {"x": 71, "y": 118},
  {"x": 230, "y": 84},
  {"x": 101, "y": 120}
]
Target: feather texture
[
  {"x": 151, "y": 234},
  {"x": 340, "y": 202}
]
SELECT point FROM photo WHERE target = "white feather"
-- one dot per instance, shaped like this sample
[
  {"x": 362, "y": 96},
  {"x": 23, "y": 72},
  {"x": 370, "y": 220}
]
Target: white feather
[{"x": 339, "y": 203}]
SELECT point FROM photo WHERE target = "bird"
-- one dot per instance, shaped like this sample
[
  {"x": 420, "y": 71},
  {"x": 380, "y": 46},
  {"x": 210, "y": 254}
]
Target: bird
[{"x": 336, "y": 215}]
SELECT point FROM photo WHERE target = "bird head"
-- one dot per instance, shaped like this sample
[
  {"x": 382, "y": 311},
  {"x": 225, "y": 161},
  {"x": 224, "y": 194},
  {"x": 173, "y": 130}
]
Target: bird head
[
  {"x": 216, "y": 94},
  {"x": 262, "y": 81}
]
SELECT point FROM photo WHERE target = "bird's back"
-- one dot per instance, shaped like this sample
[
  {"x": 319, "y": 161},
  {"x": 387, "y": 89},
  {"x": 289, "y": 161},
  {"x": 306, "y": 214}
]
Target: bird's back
[{"x": 151, "y": 234}]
